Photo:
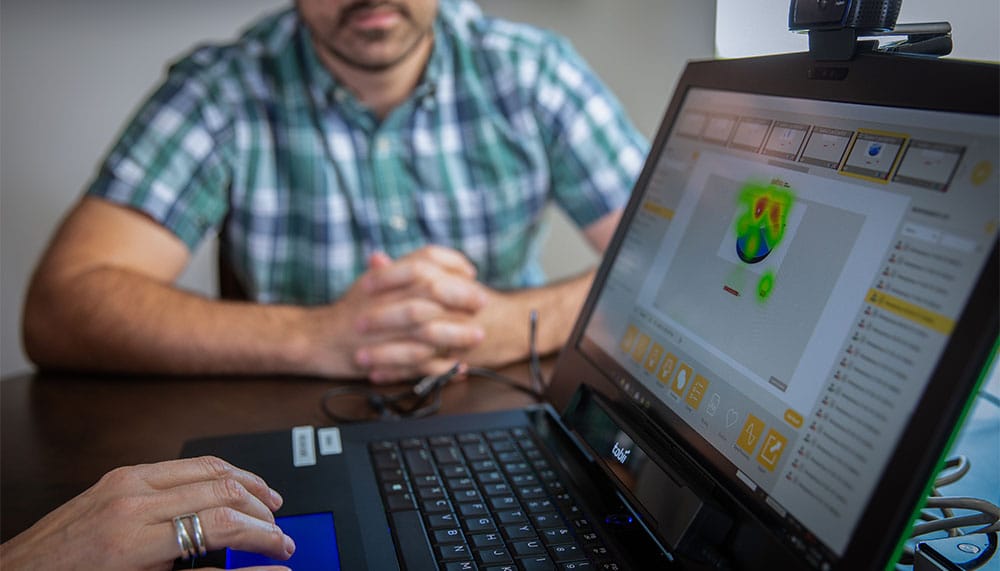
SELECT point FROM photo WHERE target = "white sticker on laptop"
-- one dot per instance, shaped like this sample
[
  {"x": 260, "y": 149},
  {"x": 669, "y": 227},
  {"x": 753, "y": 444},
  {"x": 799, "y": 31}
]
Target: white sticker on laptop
[
  {"x": 329, "y": 441},
  {"x": 303, "y": 446}
]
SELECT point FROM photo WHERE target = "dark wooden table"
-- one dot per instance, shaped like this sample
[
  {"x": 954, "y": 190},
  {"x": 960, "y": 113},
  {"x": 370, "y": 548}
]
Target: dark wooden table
[{"x": 60, "y": 433}]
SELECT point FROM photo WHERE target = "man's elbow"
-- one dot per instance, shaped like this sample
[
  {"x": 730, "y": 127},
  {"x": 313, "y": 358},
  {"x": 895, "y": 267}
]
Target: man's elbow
[{"x": 42, "y": 330}]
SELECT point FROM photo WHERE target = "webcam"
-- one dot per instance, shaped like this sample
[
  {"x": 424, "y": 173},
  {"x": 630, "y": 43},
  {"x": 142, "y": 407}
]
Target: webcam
[
  {"x": 835, "y": 26},
  {"x": 861, "y": 15}
]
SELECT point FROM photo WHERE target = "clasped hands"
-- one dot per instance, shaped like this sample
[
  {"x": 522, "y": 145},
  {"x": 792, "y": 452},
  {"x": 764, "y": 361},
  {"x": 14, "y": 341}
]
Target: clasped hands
[{"x": 406, "y": 318}]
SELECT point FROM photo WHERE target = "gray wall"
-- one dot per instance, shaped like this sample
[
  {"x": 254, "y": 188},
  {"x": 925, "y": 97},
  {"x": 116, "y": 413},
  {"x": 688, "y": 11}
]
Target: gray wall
[{"x": 72, "y": 71}]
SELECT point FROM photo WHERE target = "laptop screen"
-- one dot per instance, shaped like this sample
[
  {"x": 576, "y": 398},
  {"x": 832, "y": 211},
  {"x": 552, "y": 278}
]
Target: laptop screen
[{"x": 791, "y": 273}]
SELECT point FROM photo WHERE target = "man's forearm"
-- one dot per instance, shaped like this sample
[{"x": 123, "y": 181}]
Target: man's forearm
[
  {"x": 113, "y": 319},
  {"x": 506, "y": 319}
]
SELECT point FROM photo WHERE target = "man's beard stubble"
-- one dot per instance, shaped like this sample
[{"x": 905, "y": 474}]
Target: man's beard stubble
[{"x": 372, "y": 36}]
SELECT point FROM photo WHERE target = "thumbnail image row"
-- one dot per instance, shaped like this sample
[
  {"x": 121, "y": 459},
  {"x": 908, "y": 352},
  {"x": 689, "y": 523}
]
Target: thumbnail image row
[{"x": 877, "y": 156}]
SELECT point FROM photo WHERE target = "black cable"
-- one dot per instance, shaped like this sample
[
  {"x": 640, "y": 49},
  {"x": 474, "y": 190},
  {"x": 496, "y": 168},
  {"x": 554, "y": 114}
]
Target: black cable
[
  {"x": 423, "y": 398},
  {"x": 534, "y": 361}
]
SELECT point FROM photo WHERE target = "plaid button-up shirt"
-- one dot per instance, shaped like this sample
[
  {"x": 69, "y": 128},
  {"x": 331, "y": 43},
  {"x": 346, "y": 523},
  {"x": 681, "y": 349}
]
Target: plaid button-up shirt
[{"x": 258, "y": 141}]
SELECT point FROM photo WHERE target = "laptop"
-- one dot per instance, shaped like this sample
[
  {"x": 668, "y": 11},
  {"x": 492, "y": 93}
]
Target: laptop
[{"x": 792, "y": 318}]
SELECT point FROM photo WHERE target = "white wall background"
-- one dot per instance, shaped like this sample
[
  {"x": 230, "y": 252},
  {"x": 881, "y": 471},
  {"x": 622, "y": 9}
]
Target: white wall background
[{"x": 72, "y": 71}]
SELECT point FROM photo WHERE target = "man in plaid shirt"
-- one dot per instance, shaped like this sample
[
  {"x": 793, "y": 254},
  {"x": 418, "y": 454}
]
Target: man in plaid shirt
[{"x": 376, "y": 173}]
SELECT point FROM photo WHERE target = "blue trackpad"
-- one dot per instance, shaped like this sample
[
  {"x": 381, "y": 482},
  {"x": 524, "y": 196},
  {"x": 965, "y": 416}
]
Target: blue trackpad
[{"x": 315, "y": 545}]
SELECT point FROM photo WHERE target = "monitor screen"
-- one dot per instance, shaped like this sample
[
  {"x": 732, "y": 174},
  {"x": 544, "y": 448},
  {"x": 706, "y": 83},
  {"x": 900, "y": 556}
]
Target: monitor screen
[{"x": 787, "y": 284}]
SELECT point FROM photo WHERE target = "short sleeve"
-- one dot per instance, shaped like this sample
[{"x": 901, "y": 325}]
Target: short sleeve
[
  {"x": 595, "y": 153},
  {"x": 172, "y": 160}
]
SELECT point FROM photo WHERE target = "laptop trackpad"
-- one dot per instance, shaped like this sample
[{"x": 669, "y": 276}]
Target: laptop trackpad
[{"x": 315, "y": 545}]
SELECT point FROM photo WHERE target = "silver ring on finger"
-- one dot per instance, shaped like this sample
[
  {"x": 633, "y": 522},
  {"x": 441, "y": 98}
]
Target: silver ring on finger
[{"x": 190, "y": 535}]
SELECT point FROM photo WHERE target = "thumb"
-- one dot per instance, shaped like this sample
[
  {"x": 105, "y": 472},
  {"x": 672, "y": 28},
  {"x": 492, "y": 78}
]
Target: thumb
[{"x": 379, "y": 260}]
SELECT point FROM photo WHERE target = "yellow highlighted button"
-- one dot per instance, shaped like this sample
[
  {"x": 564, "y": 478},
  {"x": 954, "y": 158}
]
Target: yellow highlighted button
[
  {"x": 630, "y": 334},
  {"x": 793, "y": 418},
  {"x": 770, "y": 452},
  {"x": 640, "y": 348},
  {"x": 667, "y": 368},
  {"x": 654, "y": 357},
  {"x": 910, "y": 311},
  {"x": 750, "y": 433},
  {"x": 697, "y": 391}
]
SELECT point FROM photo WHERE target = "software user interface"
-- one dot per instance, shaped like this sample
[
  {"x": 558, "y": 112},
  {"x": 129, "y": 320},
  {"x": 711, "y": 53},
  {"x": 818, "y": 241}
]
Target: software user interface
[{"x": 789, "y": 280}]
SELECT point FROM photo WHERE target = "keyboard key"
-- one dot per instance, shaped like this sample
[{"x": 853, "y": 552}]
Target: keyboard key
[
  {"x": 479, "y": 524},
  {"x": 577, "y": 566},
  {"x": 451, "y": 535},
  {"x": 494, "y": 556},
  {"x": 447, "y": 455},
  {"x": 392, "y": 475},
  {"x": 471, "y": 495},
  {"x": 530, "y": 492},
  {"x": 519, "y": 469},
  {"x": 476, "y": 452},
  {"x": 522, "y": 479},
  {"x": 469, "y": 438},
  {"x": 543, "y": 520},
  {"x": 453, "y": 552},
  {"x": 454, "y": 471},
  {"x": 526, "y": 548},
  {"x": 473, "y": 509},
  {"x": 568, "y": 552},
  {"x": 511, "y": 516},
  {"x": 418, "y": 461},
  {"x": 556, "y": 535},
  {"x": 535, "y": 506},
  {"x": 487, "y": 478},
  {"x": 598, "y": 551},
  {"x": 382, "y": 445},
  {"x": 411, "y": 540},
  {"x": 460, "y": 566},
  {"x": 497, "y": 435},
  {"x": 395, "y": 487},
  {"x": 502, "y": 446},
  {"x": 440, "y": 521},
  {"x": 504, "y": 503},
  {"x": 461, "y": 484},
  {"x": 436, "y": 506},
  {"x": 431, "y": 493},
  {"x": 387, "y": 460},
  {"x": 496, "y": 489},
  {"x": 398, "y": 502},
  {"x": 487, "y": 540},
  {"x": 506, "y": 457},
  {"x": 409, "y": 443},
  {"x": 537, "y": 564},
  {"x": 523, "y": 531},
  {"x": 445, "y": 440},
  {"x": 483, "y": 466}
]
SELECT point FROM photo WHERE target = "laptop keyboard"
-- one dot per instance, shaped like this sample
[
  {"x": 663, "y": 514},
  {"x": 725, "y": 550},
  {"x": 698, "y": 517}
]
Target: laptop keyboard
[{"x": 484, "y": 501}]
